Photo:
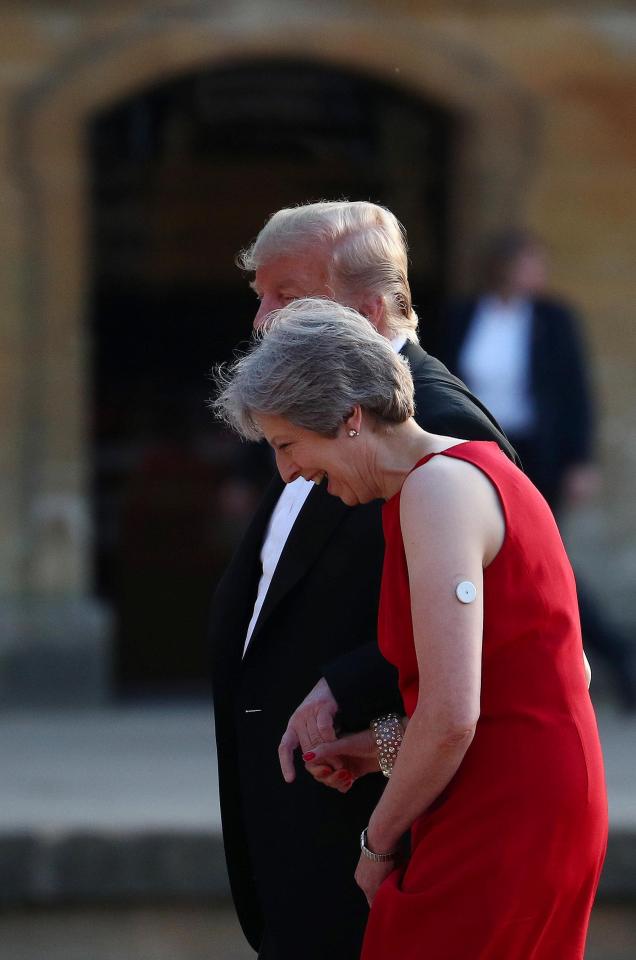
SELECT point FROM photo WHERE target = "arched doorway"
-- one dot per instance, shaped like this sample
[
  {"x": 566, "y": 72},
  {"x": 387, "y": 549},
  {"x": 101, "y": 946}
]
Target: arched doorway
[
  {"x": 183, "y": 174},
  {"x": 59, "y": 618}
]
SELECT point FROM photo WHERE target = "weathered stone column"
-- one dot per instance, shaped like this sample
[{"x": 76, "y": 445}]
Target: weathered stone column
[{"x": 54, "y": 637}]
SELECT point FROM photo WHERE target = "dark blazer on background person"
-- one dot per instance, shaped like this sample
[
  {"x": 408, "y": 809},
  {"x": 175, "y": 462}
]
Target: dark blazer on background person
[
  {"x": 559, "y": 387},
  {"x": 292, "y": 849}
]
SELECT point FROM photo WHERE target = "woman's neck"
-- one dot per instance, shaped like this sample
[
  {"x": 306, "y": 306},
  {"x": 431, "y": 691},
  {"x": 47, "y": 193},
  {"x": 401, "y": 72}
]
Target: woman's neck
[{"x": 397, "y": 451}]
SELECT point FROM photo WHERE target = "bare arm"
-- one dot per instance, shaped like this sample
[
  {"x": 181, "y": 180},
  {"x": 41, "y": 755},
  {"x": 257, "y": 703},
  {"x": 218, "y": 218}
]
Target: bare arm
[{"x": 452, "y": 527}]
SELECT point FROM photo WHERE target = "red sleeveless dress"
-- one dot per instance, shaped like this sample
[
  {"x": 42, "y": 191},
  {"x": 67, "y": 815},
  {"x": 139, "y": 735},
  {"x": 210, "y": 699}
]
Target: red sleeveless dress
[{"x": 505, "y": 863}]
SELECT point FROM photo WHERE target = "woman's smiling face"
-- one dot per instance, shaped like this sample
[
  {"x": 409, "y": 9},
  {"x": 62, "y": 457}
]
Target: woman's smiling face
[{"x": 305, "y": 453}]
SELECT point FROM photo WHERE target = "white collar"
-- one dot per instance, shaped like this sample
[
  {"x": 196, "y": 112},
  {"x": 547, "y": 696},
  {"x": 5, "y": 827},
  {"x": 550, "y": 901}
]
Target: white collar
[
  {"x": 398, "y": 341},
  {"x": 494, "y": 304}
]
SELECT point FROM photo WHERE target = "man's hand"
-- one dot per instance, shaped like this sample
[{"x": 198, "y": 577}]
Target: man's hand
[{"x": 310, "y": 724}]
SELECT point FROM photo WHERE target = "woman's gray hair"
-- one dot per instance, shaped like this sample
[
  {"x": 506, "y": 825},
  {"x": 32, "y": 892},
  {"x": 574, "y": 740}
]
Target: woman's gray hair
[
  {"x": 313, "y": 362},
  {"x": 365, "y": 247}
]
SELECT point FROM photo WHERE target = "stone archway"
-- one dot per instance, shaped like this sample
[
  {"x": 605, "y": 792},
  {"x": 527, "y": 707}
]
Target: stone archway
[
  {"x": 182, "y": 175},
  {"x": 50, "y": 120}
]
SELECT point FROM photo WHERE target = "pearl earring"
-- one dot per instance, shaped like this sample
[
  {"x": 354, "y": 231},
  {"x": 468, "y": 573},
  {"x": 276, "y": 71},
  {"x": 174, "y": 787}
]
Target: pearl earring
[{"x": 352, "y": 433}]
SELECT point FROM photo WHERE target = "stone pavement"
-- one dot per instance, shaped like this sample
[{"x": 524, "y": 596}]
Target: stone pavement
[
  {"x": 122, "y": 804},
  {"x": 204, "y": 931}
]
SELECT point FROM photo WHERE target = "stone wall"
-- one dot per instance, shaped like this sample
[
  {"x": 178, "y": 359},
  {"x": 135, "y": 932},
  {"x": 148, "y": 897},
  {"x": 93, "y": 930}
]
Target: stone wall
[{"x": 545, "y": 100}]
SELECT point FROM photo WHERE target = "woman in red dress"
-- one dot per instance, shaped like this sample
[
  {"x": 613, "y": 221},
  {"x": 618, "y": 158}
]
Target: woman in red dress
[{"x": 499, "y": 776}]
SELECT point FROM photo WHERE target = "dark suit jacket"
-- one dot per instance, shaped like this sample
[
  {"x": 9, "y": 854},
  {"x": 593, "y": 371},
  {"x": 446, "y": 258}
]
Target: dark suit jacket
[
  {"x": 292, "y": 849},
  {"x": 558, "y": 383}
]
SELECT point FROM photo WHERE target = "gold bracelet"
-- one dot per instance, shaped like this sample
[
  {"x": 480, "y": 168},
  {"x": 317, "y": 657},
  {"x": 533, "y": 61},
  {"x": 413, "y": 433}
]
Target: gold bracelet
[{"x": 388, "y": 732}]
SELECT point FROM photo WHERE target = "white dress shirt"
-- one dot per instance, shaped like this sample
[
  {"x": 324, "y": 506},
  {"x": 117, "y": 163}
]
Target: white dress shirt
[
  {"x": 495, "y": 361},
  {"x": 278, "y": 529},
  {"x": 280, "y": 524}
]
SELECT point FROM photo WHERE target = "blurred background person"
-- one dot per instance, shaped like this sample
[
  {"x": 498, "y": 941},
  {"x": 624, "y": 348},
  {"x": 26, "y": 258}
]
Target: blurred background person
[{"x": 522, "y": 352}]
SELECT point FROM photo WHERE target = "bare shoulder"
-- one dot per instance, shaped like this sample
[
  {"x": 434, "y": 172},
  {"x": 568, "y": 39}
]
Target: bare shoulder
[
  {"x": 443, "y": 480},
  {"x": 449, "y": 494}
]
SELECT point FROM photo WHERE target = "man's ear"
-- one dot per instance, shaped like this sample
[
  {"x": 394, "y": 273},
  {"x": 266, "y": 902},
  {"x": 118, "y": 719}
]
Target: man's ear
[{"x": 374, "y": 309}]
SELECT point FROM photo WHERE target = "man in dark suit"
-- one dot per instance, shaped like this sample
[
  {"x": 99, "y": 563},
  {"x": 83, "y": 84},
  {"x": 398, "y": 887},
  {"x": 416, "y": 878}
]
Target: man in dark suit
[
  {"x": 294, "y": 617},
  {"x": 523, "y": 352}
]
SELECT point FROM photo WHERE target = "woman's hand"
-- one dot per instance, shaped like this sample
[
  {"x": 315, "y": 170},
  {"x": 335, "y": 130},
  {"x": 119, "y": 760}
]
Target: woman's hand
[
  {"x": 339, "y": 763},
  {"x": 370, "y": 875}
]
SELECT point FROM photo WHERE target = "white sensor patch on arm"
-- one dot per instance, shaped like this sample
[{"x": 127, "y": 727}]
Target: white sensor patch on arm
[{"x": 466, "y": 591}]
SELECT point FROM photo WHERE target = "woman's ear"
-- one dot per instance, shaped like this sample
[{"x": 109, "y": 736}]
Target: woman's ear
[{"x": 353, "y": 421}]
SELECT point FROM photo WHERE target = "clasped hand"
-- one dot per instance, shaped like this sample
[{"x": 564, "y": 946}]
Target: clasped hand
[
  {"x": 311, "y": 724},
  {"x": 334, "y": 762}
]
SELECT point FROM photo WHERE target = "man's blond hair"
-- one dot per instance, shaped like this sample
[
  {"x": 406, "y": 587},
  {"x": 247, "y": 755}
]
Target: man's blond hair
[{"x": 365, "y": 251}]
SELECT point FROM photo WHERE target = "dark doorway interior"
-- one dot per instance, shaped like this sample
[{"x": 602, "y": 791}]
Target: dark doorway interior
[{"x": 182, "y": 176}]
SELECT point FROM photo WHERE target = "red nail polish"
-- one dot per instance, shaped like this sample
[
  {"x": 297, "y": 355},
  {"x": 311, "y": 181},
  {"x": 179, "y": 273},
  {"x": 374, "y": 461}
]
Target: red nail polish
[
  {"x": 309, "y": 756},
  {"x": 344, "y": 775}
]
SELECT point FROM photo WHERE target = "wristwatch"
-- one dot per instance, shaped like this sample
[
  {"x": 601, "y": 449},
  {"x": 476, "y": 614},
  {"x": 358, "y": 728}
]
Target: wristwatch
[{"x": 370, "y": 855}]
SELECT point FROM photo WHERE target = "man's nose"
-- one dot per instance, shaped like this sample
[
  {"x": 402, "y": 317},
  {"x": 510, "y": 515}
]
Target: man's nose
[{"x": 265, "y": 307}]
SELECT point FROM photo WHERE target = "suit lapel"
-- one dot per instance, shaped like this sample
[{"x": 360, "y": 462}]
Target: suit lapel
[
  {"x": 318, "y": 518},
  {"x": 239, "y": 589}
]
